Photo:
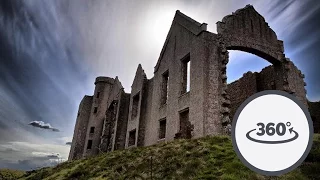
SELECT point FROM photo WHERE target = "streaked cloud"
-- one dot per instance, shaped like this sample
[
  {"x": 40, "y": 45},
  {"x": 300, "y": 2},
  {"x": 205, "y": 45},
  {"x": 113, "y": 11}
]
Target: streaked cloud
[{"x": 51, "y": 51}]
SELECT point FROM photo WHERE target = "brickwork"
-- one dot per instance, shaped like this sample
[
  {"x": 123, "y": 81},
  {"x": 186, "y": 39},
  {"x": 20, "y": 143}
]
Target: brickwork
[{"x": 163, "y": 109}]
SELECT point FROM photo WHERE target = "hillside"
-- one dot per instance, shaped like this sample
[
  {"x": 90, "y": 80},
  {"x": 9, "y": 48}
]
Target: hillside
[
  {"x": 8, "y": 174},
  {"x": 204, "y": 158}
]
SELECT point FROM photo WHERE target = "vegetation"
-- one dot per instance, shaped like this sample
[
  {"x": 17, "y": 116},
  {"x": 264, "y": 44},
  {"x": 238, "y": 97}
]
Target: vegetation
[
  {"x": 204, "y": 158},
  {"x": 8, "y": 174}
]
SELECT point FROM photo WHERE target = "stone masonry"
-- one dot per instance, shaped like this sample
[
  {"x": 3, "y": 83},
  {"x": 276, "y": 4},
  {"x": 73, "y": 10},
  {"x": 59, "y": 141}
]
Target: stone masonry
[{"x": 188, "y": 96}]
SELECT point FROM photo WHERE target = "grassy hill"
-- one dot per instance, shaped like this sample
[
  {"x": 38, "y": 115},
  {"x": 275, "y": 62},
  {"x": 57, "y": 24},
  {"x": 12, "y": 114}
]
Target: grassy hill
[
  {"x": 8, "y": 174},
  {"x": 204, "y": 158}
]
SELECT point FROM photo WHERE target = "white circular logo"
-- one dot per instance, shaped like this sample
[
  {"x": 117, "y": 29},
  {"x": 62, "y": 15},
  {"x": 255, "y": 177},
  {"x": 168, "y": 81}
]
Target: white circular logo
[{"x": 272, "y": 132}]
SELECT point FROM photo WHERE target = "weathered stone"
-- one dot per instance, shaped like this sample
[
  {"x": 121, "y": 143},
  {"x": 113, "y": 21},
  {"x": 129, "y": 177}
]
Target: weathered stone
[{"x": 122, "y": 120}]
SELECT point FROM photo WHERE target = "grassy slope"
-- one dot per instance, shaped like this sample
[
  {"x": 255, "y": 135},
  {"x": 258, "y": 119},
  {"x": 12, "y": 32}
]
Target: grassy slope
[
  {"x": 8, "y": 174},
  {"x": 204, "y": 158}
]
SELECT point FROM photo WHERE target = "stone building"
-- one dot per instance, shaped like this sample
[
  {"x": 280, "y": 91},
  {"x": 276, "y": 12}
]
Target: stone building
[{"x": 188, "y": 96}]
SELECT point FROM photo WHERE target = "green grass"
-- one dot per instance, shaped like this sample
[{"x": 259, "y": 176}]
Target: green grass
[
  {"x": 8, "y": 174},
  {"x": 204, "y": 158}
]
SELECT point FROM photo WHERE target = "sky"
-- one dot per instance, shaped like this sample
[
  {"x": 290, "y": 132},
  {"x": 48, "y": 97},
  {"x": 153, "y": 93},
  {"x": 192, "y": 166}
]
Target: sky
[{"x": 51, "y": 51}]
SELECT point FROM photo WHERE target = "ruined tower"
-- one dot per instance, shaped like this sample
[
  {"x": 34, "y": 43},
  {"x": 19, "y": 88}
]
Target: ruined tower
[{"x": 102, "y": 91}]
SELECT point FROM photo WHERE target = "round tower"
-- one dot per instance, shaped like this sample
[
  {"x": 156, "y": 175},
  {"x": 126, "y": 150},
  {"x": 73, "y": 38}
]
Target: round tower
[{"x": 103, "y": 87}]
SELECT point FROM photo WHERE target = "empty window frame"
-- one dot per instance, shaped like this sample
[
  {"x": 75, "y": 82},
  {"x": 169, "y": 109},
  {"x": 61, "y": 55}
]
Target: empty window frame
[
  {"x": 185, "y": 71},
  {"x": 132, "y": 138},
  {"x": 135, "y": 105},
  {"x": 185, "y": 125},
  {"x": 98, "y": 94},
  {"x": 162, "y": 128},
  {"x": 91, "y": 130},
  {"x": 165, "y": 87},
  {"x": 95, "y": 110},
  {"x": 89, "y": 146},
  {"x": 273, "y": 86}
]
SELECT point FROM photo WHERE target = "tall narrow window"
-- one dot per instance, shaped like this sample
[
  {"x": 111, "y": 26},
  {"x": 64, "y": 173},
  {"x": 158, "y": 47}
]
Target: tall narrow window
[
  {"x": 95, "y": 110},
  {"x": 98, "y": 94},
  {"x": 162, "y": 129},
  {"x": 91, "y": 130},
  {"x": 135, "y": 105},
  {"x": 165, "y": 87},
  {"x": 89, "y": 146},
  {"x": 185, "y": 65},
  {"x": 185, "y": 125},
  {"x": 132, "y": 138},
  {"x": 273, "y": 86}
]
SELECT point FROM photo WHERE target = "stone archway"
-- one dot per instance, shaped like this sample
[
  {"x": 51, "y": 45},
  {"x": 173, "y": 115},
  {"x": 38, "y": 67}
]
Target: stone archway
[{"x": 246, "y": 30}]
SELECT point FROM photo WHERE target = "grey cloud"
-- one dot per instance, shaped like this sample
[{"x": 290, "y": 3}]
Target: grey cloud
[
  {"x": 29, "y": 164},
  {"x": 8, "y": 150},
  {"x": 43, "y": 125},
  {"x": 26, "y": 156},
  {"x": 68, "y": 143},
  {"x": 53, "y": 156}
]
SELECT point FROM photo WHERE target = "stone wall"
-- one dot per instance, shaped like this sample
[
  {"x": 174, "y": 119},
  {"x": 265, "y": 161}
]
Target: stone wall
[
  {"x": 146, "y": 104},
  {"x": 80, "y": 129},
  {"x": 251, "y": 83},
  {"x": 135, "y": 108},
  {"x": 113, "y": 116},
  {"x": 183, "y": 41},
  {"x": 296, "y": 82},
  {"x": 266, "y": 79},
  {"x": 122, "y": 121},
  {"x": 241, "y": 89}
]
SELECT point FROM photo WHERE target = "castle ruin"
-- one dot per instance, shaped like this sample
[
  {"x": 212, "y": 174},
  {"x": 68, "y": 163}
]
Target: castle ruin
[{"x": 188, "y": 96}]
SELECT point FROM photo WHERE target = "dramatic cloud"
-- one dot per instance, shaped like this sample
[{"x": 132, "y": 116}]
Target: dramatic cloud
[
  {"x": 43, "y": 125},
  {"x": 29, "y": 156}
]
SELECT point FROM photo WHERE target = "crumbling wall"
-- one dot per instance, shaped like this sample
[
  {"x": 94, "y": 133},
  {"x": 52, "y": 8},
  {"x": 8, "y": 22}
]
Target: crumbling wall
[
  {"x": 146, "y": 104},
  {"x": 122, "y": 121},
  {"x": 266, "y": 79},
  {"x": 109, "y": 125},
  {"x": 296, "y": 82},
  {"x": 80, "y": 129},
  {"x": 252, "y": 83},
  {"x": 241, "y": 89},
  {"x": 247, "y": 30},
  {"x": 135, "y": 112},
  {"x": 114, "y": 115}
]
